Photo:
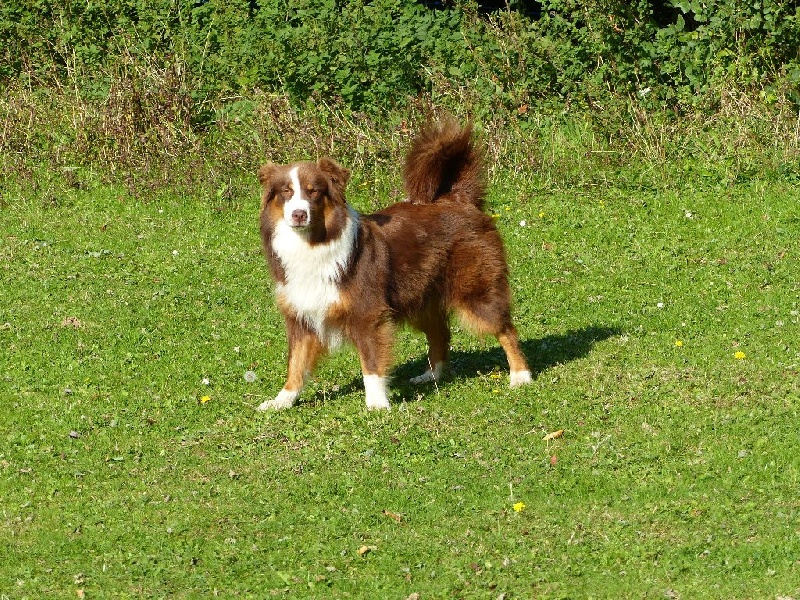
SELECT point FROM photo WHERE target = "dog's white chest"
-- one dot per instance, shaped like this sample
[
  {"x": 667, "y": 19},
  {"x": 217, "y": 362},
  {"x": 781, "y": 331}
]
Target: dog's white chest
[{"x": 313, "y": 274}]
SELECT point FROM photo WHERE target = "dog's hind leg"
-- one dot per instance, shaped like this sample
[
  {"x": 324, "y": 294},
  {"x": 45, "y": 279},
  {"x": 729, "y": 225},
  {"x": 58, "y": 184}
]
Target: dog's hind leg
[
  {"x": 433, "y": 322},
  {"x": 518, "y": 365},
  {"x": 480, "y": 295},
  {"x": 489, "y": 314}
]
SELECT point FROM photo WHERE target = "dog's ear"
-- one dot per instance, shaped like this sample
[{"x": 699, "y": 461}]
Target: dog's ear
[
  {"x": 337, "y": 173},
  {"x": 266, "y": 174}
]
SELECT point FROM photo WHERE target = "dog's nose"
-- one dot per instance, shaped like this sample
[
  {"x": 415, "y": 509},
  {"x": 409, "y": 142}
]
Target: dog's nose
[{"x": 299, "y": 218}]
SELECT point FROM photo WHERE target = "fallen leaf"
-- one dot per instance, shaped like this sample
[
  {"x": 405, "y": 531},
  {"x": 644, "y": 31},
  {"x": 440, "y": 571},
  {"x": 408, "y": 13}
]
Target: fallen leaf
[
  {"x": 366, "y": 549},
  {"x": 553, "y": 460},
  {"x": 80, "y": 593},
  {"x": 392, "y": 515},
  {"x": 554, "y": 435},
  {"x": 73, "y": 322}
]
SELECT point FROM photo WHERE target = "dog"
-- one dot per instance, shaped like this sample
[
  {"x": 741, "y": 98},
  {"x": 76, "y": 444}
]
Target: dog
[{"x": 343, "y": 276}]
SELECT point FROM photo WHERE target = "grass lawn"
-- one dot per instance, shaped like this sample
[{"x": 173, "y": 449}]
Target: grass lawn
[{"x": 663, "y": 326}]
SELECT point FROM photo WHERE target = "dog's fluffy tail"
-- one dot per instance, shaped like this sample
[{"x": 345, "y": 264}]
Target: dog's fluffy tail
[{"x": 445, "y": 163}]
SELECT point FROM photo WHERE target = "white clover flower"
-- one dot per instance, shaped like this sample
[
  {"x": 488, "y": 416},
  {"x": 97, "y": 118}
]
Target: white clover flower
[{"x": 206, "y": 381}]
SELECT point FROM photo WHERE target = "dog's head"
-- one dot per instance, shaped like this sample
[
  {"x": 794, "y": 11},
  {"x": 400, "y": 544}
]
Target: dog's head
[{"x": 302, "y": 193}]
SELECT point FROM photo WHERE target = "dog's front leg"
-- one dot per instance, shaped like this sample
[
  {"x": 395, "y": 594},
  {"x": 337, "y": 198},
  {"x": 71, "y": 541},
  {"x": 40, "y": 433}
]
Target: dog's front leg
[
  {"x": 375, "y": 352},
  {"x": 305, "y": 350}
]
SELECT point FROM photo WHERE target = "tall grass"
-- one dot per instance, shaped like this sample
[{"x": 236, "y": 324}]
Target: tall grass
[
  {"x": 154, "y": 120},
  {"x": 145, "y": 134}
]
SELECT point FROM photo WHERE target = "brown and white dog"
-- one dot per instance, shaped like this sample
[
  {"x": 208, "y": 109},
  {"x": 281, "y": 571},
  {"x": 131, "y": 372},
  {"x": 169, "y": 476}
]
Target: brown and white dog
[{"x": 343, "y": 276}]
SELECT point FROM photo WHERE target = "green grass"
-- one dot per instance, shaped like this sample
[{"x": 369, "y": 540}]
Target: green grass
[{"x": 677, "y": 474}]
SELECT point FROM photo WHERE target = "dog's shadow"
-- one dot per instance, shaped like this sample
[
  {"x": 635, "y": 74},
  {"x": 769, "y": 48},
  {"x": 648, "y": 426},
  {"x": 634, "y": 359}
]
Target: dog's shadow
[{"x": 542, "y": 355}]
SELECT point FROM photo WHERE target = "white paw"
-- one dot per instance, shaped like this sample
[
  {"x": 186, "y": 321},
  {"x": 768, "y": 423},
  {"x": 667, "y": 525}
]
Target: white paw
[
  {"x": 284, "y": 399},
  {"x": 377, "y": 392},
  {"x": 429, "y": 375},
  {"x": 519, "y": 378},
  {"x": 379, "y": 405}
]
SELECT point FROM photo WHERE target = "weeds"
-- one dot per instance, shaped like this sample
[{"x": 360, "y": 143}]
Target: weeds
[
  {"x": 196, "y": 97},
  {"x": 143, "y": 135}
]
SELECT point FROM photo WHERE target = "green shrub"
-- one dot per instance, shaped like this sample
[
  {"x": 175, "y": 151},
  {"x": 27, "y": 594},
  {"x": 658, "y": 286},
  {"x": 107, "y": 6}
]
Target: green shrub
[
  {"x": 747, "y": 45},
  {"x": 374, "y": 56},
  {"x": 367, "y": 55},
  {"x": 135, "y": 86}
]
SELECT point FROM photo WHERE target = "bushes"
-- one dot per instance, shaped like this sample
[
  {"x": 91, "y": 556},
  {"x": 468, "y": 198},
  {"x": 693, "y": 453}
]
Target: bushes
[
  {"x": 128, "y": 86},
  {"x": 374, "y": 56},
  {"x": 590, "y": 52},
  {"x": 747, "y": 45},
  {"x": 368, "y": 55}
]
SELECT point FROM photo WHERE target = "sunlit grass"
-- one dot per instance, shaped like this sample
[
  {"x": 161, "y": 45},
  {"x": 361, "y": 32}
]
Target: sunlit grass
[{"x": 137, "y": 337}]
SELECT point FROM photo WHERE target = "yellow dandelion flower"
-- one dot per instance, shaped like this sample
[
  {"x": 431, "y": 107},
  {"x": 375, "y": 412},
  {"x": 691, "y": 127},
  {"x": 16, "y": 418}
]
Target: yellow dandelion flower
[
  {"x": 739, "y": 355},
  {"x": 678, "y": 343},
  {"x": 519, "y": 507},
  {"x": 205, "y": 399},
  {"x": 541, "y": 215}
]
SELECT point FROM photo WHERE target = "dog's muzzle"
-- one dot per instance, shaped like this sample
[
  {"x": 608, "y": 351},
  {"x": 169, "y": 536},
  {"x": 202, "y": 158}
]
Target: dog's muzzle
[
  {"x": 299, "y": 218},
  {"x": 297, "y": 213}
]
